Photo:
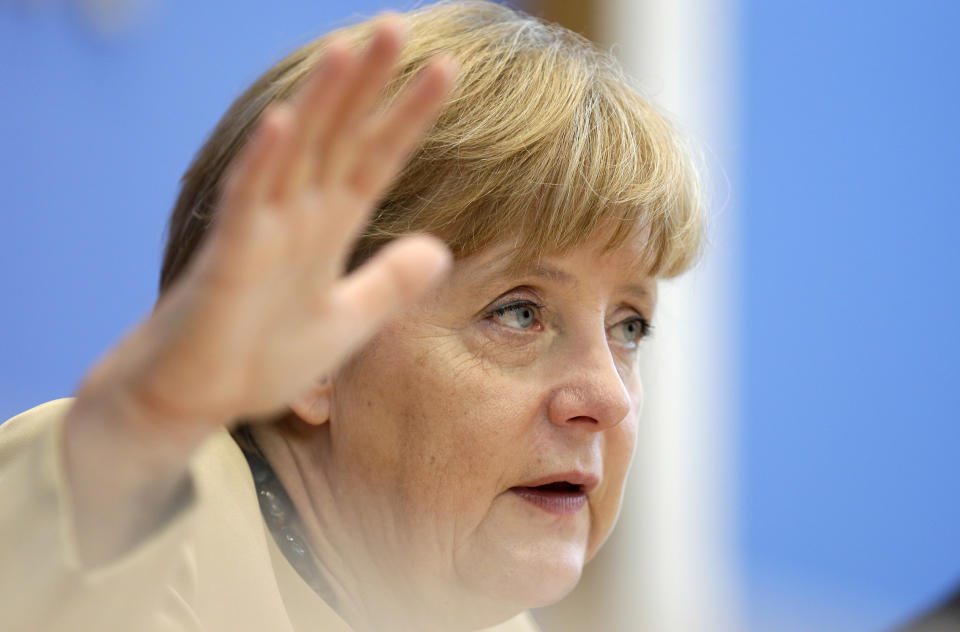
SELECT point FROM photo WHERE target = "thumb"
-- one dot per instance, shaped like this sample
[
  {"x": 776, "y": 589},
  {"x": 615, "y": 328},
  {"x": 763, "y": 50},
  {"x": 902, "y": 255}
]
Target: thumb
[{"x": 393, "y": 279}]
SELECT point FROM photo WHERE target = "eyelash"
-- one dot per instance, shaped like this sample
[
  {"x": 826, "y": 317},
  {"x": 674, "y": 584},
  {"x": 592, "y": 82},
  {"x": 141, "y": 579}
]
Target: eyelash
[
  {"x": 516, "y": 306},
  {"x": 646, "y": 328}
]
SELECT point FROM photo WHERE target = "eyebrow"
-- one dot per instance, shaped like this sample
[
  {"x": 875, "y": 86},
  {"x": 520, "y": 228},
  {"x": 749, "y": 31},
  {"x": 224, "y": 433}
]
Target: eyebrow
[
  {"x": 559, "y": 275},
  {"x": 550, "y": 272}
]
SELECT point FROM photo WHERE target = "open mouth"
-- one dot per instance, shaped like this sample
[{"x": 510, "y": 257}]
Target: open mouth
[{"x": 559, "y": 497}]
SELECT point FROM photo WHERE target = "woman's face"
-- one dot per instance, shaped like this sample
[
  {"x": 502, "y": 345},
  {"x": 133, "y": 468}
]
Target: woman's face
[{"x": 480, "y": 442}]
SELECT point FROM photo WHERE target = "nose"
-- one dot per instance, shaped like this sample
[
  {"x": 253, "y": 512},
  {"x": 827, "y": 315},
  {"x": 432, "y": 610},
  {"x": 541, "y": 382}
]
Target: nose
[{"x": 591, "y": 393}]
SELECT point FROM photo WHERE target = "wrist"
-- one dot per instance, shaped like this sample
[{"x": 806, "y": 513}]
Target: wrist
[{"x": 123, "y": 484}]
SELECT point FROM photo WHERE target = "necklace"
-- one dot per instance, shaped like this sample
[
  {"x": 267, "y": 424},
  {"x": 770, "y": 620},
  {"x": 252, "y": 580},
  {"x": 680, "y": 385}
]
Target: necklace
[{"x": 284, "y": 524}]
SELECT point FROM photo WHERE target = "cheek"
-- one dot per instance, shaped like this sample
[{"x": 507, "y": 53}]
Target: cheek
[
  {"x": 434, "y": 423},
  {"x": 466, "y": 419},
  {"x": 619, "y": 445}
]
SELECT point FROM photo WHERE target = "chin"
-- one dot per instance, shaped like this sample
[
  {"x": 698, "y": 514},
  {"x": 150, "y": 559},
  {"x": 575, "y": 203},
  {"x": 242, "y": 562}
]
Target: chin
[
  {"x": 554, "y": 582},
  {"x": 538, "y": 576},
  {"x": 495, "y": 599}
]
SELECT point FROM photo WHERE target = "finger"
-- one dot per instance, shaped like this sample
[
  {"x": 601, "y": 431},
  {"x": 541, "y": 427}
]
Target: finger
[
  {"x": 396, "y": 134},
  {"x": 313, "y": 108},
  {"x": 378, "y": 160},
  {"x": 255, "y": 169},
  {"x": 372, "y": 73},
  {"x": 394, "y": 279}
]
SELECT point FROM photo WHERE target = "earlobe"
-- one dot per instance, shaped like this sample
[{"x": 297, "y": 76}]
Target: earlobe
[{"x": 313, "y": 405}]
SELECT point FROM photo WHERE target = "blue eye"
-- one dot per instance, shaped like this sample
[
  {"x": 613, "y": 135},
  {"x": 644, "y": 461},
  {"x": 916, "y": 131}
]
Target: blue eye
[
  {"x": 632, "y": 330},
  {"x": 522, "y": 315}
]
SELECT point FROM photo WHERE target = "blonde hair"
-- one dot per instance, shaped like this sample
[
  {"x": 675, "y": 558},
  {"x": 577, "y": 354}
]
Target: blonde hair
[{"x": 542, "y": 141}]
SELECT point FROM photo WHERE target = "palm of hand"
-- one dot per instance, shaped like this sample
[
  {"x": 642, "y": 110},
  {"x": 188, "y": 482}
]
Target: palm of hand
[{"x": 263, "y": 310}]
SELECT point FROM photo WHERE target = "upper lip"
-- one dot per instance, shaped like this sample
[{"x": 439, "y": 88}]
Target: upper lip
[{"x": 585, "y": 480}]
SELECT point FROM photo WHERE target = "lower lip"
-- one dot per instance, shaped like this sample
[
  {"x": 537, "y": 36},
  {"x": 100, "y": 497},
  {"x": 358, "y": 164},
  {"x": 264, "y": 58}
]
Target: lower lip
[{"x": 560, "y": 503}]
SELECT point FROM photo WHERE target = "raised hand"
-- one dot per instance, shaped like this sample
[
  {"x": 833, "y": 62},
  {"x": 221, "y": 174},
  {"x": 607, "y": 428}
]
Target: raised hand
[{"x": 263, "y": 310}]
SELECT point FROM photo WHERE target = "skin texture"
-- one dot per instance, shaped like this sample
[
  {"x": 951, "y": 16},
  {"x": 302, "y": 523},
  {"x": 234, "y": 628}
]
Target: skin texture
[
  {"x": 263, "y": 308},
  {"x": 401, "y": 464}
]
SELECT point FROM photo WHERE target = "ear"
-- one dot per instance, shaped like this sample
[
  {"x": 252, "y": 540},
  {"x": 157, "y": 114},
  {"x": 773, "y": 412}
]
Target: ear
[{"x": 313, "y": 405}]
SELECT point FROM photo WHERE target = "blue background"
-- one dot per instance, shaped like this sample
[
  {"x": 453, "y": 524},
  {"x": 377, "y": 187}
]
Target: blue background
[
  {"x": 849, "y": 213},
  {"x": 96, "y": 133},
  {"x": 851, "y": 270}
]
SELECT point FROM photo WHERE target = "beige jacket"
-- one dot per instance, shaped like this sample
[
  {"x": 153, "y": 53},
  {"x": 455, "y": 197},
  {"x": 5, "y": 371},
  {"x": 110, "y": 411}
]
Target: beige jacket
[{"x": 214, "y": 567}]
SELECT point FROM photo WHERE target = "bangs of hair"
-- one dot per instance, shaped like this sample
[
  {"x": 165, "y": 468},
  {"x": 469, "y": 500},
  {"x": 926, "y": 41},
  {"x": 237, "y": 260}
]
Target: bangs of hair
[{"x": 543, "y": 143}]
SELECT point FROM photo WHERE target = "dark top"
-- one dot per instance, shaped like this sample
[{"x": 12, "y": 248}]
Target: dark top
[{"x": 943, "y": 618}]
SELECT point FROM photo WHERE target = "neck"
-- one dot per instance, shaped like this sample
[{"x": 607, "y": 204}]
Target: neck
[{"x": 362, "y": 586}]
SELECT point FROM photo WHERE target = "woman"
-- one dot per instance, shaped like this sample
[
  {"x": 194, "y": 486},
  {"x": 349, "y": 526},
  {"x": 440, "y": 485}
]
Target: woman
[{"x": 438, "y": 439}]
